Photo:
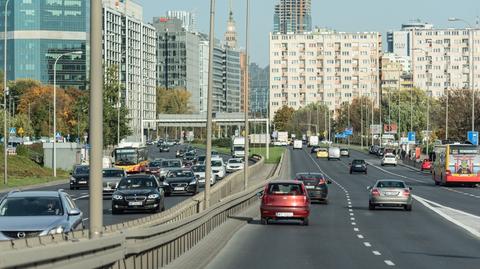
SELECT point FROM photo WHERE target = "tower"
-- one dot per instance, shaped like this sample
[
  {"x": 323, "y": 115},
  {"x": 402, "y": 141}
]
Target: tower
[{"x": 231, "y": 33}]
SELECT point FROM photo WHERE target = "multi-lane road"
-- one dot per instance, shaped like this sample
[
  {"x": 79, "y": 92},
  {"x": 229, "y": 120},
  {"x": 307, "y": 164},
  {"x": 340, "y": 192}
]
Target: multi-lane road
[
  {"x": 345, "y": 234},
  {"x": 81, "y": 196}
]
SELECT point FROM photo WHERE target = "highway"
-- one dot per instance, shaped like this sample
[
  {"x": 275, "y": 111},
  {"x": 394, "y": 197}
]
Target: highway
[
  {"x": 81, "y": 197},
  {"x": 345, "y": 234}
]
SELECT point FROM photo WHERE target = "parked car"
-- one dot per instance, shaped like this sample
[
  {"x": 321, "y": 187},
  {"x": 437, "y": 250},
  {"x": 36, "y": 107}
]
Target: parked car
[
  {"x": 322, "y": 153},
  {"x": 285, "y": 200},
  {"x": 315, "y": 184},
  {"x": 218, "y": 168},
  {"x": 180, "y": 181},
  {"x": 110, "y": 178},
  {"x": 389, "y": 159},
  {"x": 358, "y": 166},
  {"x": 344, "y": 152},
  {"x": 391, "y": 193},
  {"x": 138, "y": 192},
  {"x": 25, "y": 214},
  {"x": 333, "y": 153},
  {"x": 426, "y": 165},
  {"x": 234, "y": 164},
  {"x": 79, "y": 177},
  {"x": 199, "y": 172}
]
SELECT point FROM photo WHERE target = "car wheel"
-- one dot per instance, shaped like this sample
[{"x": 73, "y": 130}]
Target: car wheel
[
  {"x": 351, "y": 171},
  {"x": 116, "y": 211},
  {"x": 408, "y": 207},
  {"x": 371, "y": 206},
  {"x": 72, "y": 188},
  {"x": 264, "y": 221},
  {"x": 365, "y": 172},
  {"x": 305, "y": 222}
]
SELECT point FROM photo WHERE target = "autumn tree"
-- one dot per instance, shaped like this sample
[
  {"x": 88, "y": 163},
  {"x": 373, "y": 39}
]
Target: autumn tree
[
  {"x": 173, "y": 101},
  {"x": 282, "y": 118}
]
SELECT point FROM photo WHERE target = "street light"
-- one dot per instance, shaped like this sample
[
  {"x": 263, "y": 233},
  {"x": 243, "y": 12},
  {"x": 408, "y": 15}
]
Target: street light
[
  {"x": 5, "y": 93},
  {"x": 55, "y": 107},
  {"x": 472, "y": 65}
]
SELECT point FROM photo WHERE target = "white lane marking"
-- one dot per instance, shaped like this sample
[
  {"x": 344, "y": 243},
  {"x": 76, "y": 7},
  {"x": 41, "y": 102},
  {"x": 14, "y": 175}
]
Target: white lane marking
[
  {"x": 350, "y": 206},
  {"x": 353, "y": 223},
  {"x": 376, "y": 253},
  {"x": 395, "y": 174},
  {"x": 360, "y": 236},
  {"x": 351, "y": 210},
  {"x": 351, "y": 214},
  {"x": 435, "y": 208},
  {"x": 367, "y": 244},
  {"x": 85, "y": 219},
  {"x": 461, "y": 192},
  {"x": 352, "y": 218},
  {"x": 389, "y": 262},
  {"x": 81, "y": 197},
  {"x": 356, "y": 229}
]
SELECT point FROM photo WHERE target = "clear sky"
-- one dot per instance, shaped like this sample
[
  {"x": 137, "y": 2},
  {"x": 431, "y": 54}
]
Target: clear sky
[{"x": 341, "y": 15}]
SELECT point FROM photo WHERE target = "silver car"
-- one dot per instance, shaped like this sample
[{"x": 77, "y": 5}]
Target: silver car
[
  {"x": 390, "y": 193},
  {"x": 111, "y": 177}
]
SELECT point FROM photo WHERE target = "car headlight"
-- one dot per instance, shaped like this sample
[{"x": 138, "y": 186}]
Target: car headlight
[
  {"x": 193, "y": 182},
  {"x": 165, "y": 183},
  {"x": 153, "y": 196},
  {"x": 117, "y": 197},
  {"x": 56, "y": 230},
  {"x": 73, "y": 179}
]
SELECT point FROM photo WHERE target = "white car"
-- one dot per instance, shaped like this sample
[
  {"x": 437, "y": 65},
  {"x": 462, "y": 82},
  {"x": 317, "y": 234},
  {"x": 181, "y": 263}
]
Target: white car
[
  {"x": 389, "y": 159},
  {"x": 218, "y": 168},
  {"x": 199, "y": 172},
  {"x": 234, "y": 164}
]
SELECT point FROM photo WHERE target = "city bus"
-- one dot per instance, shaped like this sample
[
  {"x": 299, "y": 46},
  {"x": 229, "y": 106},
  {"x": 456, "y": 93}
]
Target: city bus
[
  {"x": 456, "y": 163},
  {"x": 131, "y": 157}
]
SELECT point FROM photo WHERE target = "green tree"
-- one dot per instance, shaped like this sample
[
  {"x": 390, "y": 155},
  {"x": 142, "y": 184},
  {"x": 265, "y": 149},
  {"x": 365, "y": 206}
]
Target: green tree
[
  {"x": 359, "y": 111},
  {"x": 282, "y": 118}
]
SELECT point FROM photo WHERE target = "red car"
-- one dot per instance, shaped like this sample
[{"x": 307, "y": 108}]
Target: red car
[
  {"x": 285, "y": 200},
  {"x": 426, "y": 165}
]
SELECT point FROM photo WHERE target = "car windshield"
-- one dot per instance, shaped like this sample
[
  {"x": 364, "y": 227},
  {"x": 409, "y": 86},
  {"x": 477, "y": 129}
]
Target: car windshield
[
  {"x": 180, "y": 173},
  {"x": 113, "y": 173},
  {"x": 235, "y": 161},
  {"x": 358, "y": 162},
  {"x": 189, "y": 154},
  {"x": 82, "y": 170},
  {"x": 216, "y": 163},
  {"x": 322, "y": 149},
  {"x": 172, "y": 163},
  {"x": 201, "y": 158},
  {"x": 390, "y": 184},
  {"x": 285, "y": 189},
  {"x": 309, "y": 176},
  {"x": 198, "y": 168},
  {"x": 31, "y": 206},
  {"x": 344, "y": 149},
  {"x": 155, "y": 164},
  {"x": 137, "y": 183}
]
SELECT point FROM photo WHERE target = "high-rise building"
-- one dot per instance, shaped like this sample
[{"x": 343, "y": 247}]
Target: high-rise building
[
  {"x": 292, "y": 16},
  {"x": 226, "y": 79},
  {"x": 41, "y": 31},
  {"x": 323, "y": 66},
  {"x": 204, "y": 56},
  {"x": 178, "y": 58},
  {"x": 189, "y": 19},
  {"x": 400, "y": 42},
  {"x": 259, "y": 90},
  {"x": 130, "y": 44}
]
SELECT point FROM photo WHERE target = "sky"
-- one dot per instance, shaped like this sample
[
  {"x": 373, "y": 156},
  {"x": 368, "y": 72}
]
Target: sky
[{"x": 341, "y": 15}]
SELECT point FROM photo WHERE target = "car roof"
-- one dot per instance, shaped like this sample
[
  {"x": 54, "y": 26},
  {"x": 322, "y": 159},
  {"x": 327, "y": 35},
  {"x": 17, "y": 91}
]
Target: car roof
[
  {"x": 358, "y": 160},
  {"x": 393, "y": 180},
  {"x": 34, "y": 194},
  {"x": 285, "y": 182},
  {"x": 309, "y": 173}
]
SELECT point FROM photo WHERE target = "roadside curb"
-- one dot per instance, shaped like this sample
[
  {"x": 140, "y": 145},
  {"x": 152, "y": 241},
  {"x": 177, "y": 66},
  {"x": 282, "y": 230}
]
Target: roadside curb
[{"x": 40, "y": 185}]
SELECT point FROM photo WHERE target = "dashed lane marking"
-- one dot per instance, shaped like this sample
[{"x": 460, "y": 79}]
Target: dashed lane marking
[
  {"x": 367, "y": 244},
  {"x": 376, "y": 253},
  {"x": 360, "y": 236},
  {"x": 389, "y": 263}
]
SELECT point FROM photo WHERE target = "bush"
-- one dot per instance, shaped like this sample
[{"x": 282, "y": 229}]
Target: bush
[{"x": 222, "y": 142}]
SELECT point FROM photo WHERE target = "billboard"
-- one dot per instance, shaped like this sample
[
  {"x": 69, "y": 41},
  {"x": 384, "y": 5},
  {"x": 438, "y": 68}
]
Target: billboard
[
  {"x": 390, "y": 128},
  {"x": 375, "y": 129}
]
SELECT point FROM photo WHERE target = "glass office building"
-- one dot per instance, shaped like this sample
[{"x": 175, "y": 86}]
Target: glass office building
[{"x": 38, "y": 31}]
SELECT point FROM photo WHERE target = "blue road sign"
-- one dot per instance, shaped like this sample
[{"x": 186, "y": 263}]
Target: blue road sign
[
  {"x": 411, "y": 136},
  {"x": 58, "y": 135},
  {"x": 348, "y": 131},
  {"x": 473, "y": 137},
  {"x": 12, "y": 130}
]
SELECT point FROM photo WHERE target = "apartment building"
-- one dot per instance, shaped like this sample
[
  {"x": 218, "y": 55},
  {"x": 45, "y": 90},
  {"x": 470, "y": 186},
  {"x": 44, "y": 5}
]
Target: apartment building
[
  {"x": 323, "y": 66},
  {"x": 129, "y": 43},
  {"x": 442, "y": 59},
  {"x": 395, "y": 72}
]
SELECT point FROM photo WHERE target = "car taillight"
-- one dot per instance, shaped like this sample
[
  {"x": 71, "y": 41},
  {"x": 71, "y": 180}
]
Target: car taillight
[
  {"x": 321, "y": 181},
  {"x": 448, "y": 172},
  {"x": 375, "y": 192},
  {"x": 406, "y": 192}
]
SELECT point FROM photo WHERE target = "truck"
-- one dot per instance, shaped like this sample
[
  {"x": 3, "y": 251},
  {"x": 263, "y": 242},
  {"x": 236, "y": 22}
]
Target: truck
[
  {"x": 283, "y": 138},
  {"x": 297, "y": 144},
  {"x": 259, "y": 139},
  {"x": 313, "y": 141},
  {"x": 238, "y": 147}
]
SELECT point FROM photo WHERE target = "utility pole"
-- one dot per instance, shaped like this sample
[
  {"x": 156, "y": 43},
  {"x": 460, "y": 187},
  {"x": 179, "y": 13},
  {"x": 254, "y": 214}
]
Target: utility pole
[
  {"x": 245, "y": 99},
  {"x": 5, "y": 94}
]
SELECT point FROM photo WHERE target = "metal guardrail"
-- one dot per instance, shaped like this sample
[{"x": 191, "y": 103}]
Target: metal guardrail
[{"x": 150, "y": 242}]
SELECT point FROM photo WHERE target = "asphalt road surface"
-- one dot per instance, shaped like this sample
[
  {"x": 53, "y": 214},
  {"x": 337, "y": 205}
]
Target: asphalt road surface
[{"x": 345, "y": 234}]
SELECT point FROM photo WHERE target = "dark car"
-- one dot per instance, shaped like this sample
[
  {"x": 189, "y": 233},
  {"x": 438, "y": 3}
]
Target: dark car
[
  {"x": 180, "y": 181},
  {"x": 380, "y": 152},
  {"x": 25, "y": 214},
  {"x": 79, "y": 177},
  {"x": 111, "y": 177},
  {"x": 164, "y": 148},
  {"x": 200, "y": 159},
  {"x": 315, "y": 184},
  {"x": 314, "y": 149},
  {"x": 358, "y": 166},
  {"x": 138, "y": 192},
  {"x": 189, "y": 156}
]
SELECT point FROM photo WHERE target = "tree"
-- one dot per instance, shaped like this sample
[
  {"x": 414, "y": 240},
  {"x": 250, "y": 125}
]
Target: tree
[
  {"x": 360, "y": 113},
  {"x": 282, "y": 118},
  {"x": 176, "y": 101},
  {"x": 18, "y": 87}
]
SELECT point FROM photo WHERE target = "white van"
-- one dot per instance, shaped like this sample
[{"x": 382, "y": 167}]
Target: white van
[
  {"x": 333, "y": 153},
  {"x": 297, "y": 144}
]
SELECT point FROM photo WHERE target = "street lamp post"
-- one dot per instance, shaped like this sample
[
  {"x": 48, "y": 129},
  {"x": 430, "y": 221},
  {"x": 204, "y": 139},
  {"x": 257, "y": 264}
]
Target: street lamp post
[
  {"x": 246, "y": 97},
  {"x": 55, "y": 108},
  {"x": 5, "y": 93},
  {"x": 472, "y": 64}
]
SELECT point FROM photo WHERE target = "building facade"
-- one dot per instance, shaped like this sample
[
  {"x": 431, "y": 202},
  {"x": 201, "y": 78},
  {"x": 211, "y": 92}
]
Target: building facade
[
  {"x": 292, "y": 16},
  {"x": 259, "y": 90},
  {"x": 400, "y": 42},
  {"x": 130, "y": 44},
  {"x": 323, "y": 66},
  {"x": 189, "y": 19},
  {"x": 395, "y": 71},
  {"x": 38, "y": 32}
]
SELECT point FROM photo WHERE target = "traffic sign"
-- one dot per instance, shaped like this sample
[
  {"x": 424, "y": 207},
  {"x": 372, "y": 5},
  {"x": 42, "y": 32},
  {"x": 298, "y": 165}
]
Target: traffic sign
[
  {"x": 348, "y": 131},
  {"x": 411, "y": 137},
  {"x": 375, "y": 129},
  {"x": 58, "y": 135},
  {"x": 473, "y": 137},
  {"x": 21, "y": 131},
  {"x": 12, "y": 130}
]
